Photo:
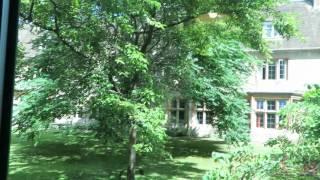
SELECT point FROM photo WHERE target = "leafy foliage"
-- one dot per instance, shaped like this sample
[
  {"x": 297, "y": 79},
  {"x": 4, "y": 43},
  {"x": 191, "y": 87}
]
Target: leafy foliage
[
  {"x": 298, "y": 160},
  {"x": 303, "y": 117},
  {"x": 118, "y": 61},
  {"x": 242, "y": 163},
  {"x": 215, "y": 76}
]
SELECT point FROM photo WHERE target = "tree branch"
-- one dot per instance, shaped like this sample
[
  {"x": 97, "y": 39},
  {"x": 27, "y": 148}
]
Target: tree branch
[
  {"x": 55, "y": 29},
  {"x": 189, "y": 18},
  {"x": 31, "y": 11}
]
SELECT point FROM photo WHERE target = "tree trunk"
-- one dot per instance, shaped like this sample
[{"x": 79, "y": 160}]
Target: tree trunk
[{"x": 132, "y": 153}]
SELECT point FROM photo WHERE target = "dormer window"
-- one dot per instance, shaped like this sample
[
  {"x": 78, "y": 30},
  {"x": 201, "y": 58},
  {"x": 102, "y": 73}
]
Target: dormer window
[{"x": 269, "y": 31}]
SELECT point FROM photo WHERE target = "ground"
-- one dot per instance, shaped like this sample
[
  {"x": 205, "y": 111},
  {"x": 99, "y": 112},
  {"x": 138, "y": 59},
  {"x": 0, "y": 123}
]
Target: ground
[{"x": 57, "y": 157}]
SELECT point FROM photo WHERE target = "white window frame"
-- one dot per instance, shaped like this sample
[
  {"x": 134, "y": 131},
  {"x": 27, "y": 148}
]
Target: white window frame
[
  {"x": 275, "y": 104},
  {"x": 285, "y": 69},
  {"x": 275, "y": 120},
  {"x": 273, "y": 34},
  {"x": 257, "y": 104},
  {"x": 265, "y": 111},
  {"x": 280, "y": 101},
  {"x": 275, "y": 71},
  {"x": 263, "y": 116},
  {"x": 202, "y": 109},
  {"x": 265, "y": 70}
]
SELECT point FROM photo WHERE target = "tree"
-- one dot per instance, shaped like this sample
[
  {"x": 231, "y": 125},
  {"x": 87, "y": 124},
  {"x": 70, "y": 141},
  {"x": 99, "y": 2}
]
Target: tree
[
  {"x": 119, "y": 60},
  {"x": 286, "y": 159}
]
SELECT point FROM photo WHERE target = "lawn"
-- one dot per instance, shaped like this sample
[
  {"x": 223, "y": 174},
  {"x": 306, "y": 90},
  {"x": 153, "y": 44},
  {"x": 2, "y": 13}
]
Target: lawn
[{"x": 56, "y": 157}]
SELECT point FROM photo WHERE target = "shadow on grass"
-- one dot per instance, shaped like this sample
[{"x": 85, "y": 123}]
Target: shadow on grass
[
  {"x": 54, "y": 159},
  {"x": 183, "y": 147}
]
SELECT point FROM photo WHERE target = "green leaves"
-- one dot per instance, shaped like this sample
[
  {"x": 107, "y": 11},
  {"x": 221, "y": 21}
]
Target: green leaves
[
  {"x": 117, "y": 61},
  {"x": 153, "y": 3},
  {"x": 303, "y": 117},
  {"x": 286, "y": 25},
  {"x": 131, "y": 61},
  {"x": 242, "y": 163},
  {"x": 214, "y": 72},
  {"x": 155, "y": 23}
]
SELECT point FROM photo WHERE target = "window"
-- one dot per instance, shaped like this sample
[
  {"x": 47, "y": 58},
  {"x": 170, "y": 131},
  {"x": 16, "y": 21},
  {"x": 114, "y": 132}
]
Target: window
[
  {"x": 203, "y": 117},
  {"x": 182, "y": 104},
  {"x": 182, "y": 120},
  {"x": 275, "y": 70},
  {"x": 174, "y": 103},
  {"x": 260, "y": 120},
  {"x": 260, "y": 104},
  {"x": 282, "y": 69},
  {"x": 271, "y": 120},
  {"x": 173, "y": 116},
  {"x": 264, "y": 72},
  {"x": 266, "y": 112},
  {"x": 269, "y": 31},
  {"x": 272, "y": 71},
  {"x": 7, "y": 59},
  {"x": 209, "y": 118},
  {"x": 282, "y": 103},
  {"x": 200, "y": 117},
  {"x": 271, "y": 105},
  {"x": 177, "y": 112}
]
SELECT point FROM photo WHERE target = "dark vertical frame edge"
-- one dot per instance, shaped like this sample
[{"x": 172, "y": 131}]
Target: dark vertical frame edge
[{"x": 8, "y": 83}]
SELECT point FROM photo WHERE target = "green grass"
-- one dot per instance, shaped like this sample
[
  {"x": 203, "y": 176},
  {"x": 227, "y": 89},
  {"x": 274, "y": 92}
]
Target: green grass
[{"x": 56, "y": 158}]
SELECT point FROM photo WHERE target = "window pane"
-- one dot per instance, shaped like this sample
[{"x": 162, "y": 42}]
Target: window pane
[
  {"x": 200, "y": 117},
  {"x": 173, "y": 116},
  {"x": 260, "y": 120},
  {"x": 267, "y": 29},
  {"x": 282, "y": 67},
  {"x": 182, "y": 103},
  {"x": 272, "y": 71},
  {"x": 208, "y": 118},
  {"x": 174, "y": 103},
  {"x": 260, "y": 104},
  {"x": 271, "y": 121},
  {"x": 271, "y": 105},
  {"x": 282, "y": 103},
  {"x": 181, "y": 118},
  {"x": 264, "y": 72}
]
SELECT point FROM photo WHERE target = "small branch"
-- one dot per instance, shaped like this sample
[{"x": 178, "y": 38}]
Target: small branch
[
  {"x": 154, "y": 45},
  {"x": 55, "y": 30},
  {"x": 168, "y": 25}
]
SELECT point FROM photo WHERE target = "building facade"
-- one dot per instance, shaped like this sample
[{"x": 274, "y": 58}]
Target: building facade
[
  {"x": 283, "y": 80},
  {"x": 295, "y": 65},
  {"x": 186, "y": 117}
]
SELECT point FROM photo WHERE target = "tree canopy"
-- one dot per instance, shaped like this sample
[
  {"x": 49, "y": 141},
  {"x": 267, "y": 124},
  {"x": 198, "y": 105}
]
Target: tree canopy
[{"x": 120, "y": 60}]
